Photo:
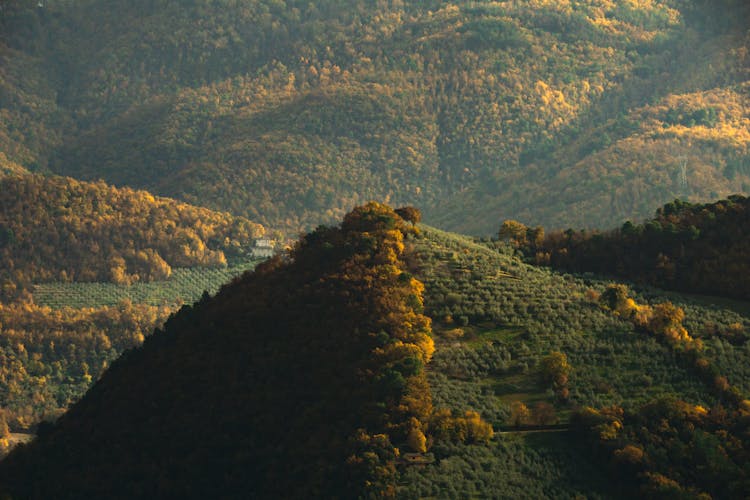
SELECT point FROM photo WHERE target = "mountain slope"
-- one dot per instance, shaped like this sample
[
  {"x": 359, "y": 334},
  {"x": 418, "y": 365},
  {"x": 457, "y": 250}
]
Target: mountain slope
[
  {"x": 250, "y": 391},
  {"x": 293, "y": 381},
  {"x": 290, "y": 113},
  {"x": 56, "y": 228}
]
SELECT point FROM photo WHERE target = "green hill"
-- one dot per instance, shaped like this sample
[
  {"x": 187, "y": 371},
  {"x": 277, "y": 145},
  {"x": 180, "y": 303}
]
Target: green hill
[
  {"x": 588, "y": 385},
  {"x": 289, "y": 113}
]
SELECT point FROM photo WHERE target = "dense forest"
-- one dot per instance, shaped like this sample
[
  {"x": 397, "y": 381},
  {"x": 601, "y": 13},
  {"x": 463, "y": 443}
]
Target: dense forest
[
  {"x": 695, "y": 248},
  {"x": 143, "y": 144},
  {"x": 49, "y": 358},
  {"x": 289, "y": 112},
  {"x": 60, "y": 229}
]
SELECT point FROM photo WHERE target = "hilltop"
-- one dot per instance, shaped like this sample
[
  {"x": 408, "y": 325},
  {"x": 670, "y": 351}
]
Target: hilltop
[{"x": 289, "y": 113}]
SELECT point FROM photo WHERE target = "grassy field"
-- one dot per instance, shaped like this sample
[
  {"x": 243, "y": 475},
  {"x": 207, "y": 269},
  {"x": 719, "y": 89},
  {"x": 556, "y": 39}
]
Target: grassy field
[{"x": 185, "y": 285}]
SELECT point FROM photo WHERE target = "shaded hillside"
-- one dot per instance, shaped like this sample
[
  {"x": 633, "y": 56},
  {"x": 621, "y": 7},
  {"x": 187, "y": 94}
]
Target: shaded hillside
[
  {"x": 60, "y": 229},
  {"x": 694, "y": 248},
  {"x": 291, "y": 112},
  {"x": 48, "y": 359},
  {"x": 295, "y": 380}
]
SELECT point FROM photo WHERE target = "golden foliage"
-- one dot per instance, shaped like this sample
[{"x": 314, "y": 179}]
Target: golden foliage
[{"x": 55, "y": 228}]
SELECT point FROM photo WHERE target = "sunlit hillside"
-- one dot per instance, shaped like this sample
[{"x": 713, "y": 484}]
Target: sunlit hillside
[{"x": 291, "y": 112}]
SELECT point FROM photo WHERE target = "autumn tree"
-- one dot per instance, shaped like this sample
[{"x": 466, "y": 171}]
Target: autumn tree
[
  {"x": 554, "y": 372},
  {"x": 519, "y": 413},
  {"x": 410, "y": 214}
]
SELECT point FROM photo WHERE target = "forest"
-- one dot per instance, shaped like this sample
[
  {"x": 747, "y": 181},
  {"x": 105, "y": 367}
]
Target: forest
[
  {"x": 59, "y": 229},
  {"x": 145, "y": 145},
  {"x": 290, "y": 113},
  {"x": 690, "y": 247}
]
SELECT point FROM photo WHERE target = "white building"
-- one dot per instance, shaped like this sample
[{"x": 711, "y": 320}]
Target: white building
[{"x": 263, "y": 248}]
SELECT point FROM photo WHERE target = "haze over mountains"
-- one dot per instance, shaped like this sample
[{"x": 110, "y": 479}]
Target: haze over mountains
[{"x": 289, "y": 113}]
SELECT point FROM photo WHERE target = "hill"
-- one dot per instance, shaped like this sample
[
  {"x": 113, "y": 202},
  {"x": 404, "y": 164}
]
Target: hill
[
  {"x": 243, "y": 391},
  {"x": 60, "y": 229},
  {"x": 227, "y": 402},
  {"x": 694, "y": 248},
  {"x": 289, "y": 113},
  {"x": 497, "y": 341}
]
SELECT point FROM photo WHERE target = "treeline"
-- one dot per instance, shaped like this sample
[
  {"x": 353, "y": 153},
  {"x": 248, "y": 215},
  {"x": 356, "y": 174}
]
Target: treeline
[
  {"x": 302, "y": 378},
  {"x": 60, "y": 229},
  {"x": 49, "y": 358},
  {"x": 696, "y": 248}
]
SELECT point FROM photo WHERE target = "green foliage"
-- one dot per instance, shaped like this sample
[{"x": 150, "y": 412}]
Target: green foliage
[
  {"x": 518, "y": 315},
  {"x": 696, "y": 248}
]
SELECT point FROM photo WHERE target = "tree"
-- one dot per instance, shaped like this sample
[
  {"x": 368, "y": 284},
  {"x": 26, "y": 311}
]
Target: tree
[
  {"x": 410, "y": 214},
  {"x": 555, "y": 369},
  {"x": 416, "y": 438},
  {"x": 519, "y": 413},
  {"x": 515, "y": 232},
  {"x": 543, "y": 413},
  {"x": 554, "y": 373}
]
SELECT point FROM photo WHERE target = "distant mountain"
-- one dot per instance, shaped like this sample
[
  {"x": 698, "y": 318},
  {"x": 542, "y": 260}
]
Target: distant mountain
[
  {"x": 60, "y": 229},
  {"x": 291, "y": 112}
]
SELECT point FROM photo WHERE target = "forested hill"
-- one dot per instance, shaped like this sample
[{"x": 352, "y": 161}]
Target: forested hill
[
  {"x": 314, "y": 375},
  {"x": 566, "y": 113},
  {"x": 60, "y": 229},
  {"x": 694, "y": 248},
  {"x": 297, "y": 380}
]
